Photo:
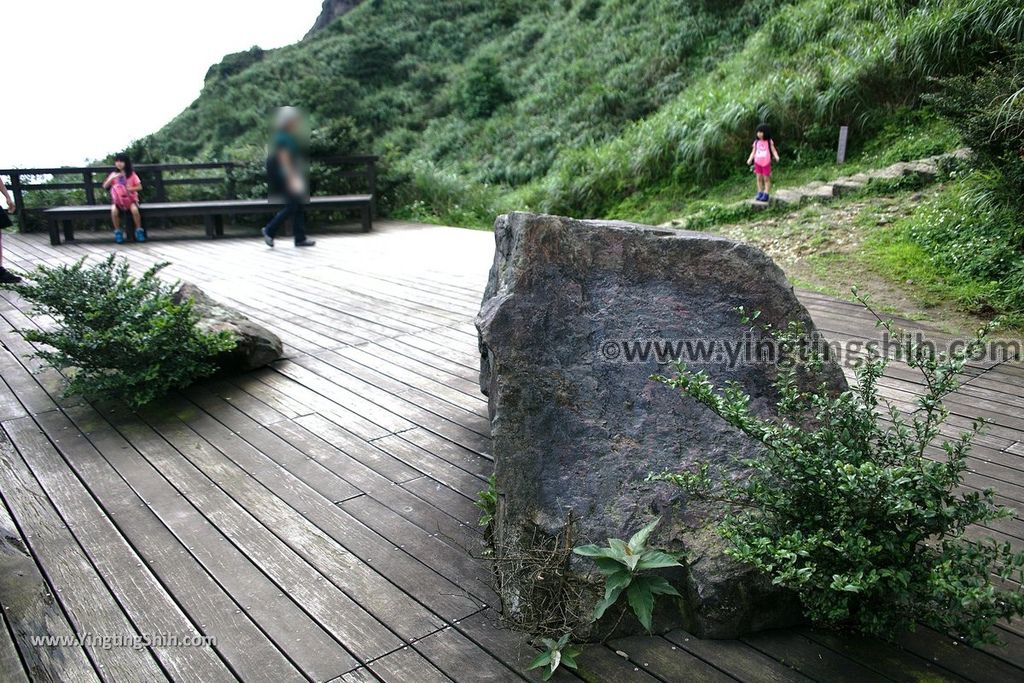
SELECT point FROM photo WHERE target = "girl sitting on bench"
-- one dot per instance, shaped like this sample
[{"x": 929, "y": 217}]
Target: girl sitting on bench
[{"x": 124, "y": 186}]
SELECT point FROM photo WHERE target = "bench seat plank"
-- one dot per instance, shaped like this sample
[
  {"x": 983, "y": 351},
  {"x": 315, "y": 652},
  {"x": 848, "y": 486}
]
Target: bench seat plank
[{"x": 212, "y": 211}]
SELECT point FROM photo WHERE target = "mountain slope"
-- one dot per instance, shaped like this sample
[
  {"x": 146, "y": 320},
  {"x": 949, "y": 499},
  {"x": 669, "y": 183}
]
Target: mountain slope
[{"x": 591, "y": 106}]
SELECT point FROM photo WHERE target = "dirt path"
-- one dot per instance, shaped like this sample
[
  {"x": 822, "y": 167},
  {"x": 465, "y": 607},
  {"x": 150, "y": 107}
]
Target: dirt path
[{"x": 822, "y": 247}]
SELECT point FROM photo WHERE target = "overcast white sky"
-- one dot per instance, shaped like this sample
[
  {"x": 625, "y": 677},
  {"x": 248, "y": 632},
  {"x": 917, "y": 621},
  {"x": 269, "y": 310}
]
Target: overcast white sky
[{"x": 82, "y": 78}]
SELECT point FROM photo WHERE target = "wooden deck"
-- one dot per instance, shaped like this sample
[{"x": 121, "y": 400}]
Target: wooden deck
[{"x": 315, "y": 521}]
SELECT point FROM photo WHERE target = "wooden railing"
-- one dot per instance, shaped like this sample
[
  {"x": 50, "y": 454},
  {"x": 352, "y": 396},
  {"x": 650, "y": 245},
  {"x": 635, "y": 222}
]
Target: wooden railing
[{"x": 156, "y": 179}]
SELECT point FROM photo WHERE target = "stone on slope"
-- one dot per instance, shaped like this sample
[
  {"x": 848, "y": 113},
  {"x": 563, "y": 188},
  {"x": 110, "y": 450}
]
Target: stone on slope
[
  {"x": 843, "y": 186},
  {"x": 788, "y": 197},
  {"x": 255, "y": 345},
  {"x": 823, "y": 192},
  {"x": 577, "y": 427},
  {"x": 927, "y": 171},
  {"x": 897, "y": 170}
]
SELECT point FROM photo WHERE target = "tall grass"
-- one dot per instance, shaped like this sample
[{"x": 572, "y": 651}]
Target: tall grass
[
  {"x": 590, "y": 103},
  {"x": 814, "y": 65}
]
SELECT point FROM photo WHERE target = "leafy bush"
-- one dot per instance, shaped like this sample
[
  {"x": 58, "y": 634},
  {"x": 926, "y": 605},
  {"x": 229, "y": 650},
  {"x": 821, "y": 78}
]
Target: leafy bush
[
  {"x": 988, "y": 110},
  {"x": 849, "y": 511},
  {"x": 434, "y": 195},
  {"x": 621, "y": 563},
  {"x": 118, "y": 336},
  {"x": 974, "y": 232},
  {"x": 974, "y": 241},
  {"x": 235, "y": 63},
  {"x": 483, "y": 89}
]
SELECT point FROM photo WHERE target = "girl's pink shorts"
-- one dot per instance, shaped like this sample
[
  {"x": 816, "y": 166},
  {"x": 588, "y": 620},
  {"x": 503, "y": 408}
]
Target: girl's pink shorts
[{"x": 765, "y": 170}]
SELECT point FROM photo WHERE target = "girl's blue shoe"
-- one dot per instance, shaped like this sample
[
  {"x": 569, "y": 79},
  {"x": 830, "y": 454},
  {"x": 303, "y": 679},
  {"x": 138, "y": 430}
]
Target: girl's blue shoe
[
  {"x": 761, "y": 197},
  {"x": 119, "y": 236},
  {"x": 140, "y": 235}
]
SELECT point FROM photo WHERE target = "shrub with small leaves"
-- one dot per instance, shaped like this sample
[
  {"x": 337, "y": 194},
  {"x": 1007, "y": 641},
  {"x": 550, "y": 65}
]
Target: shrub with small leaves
[
  {"x": 556, "y": 653},
  {"x": 118, "y": 336},
  {"x": 858, "y": 508},
  {"x": 621, "y": 563}
]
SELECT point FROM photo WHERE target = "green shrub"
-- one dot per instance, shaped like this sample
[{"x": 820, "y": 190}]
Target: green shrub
[
  {"x": 849, "y": 512},
  {"x": 118, "y": 336},
  {"x": 987, "y": 108},
  {"x": 234, "y": 63},
  {"x": 973, "y": 232},
  {"x": 973, "y": 241},
  {"x": 483, "y": 89},
  {"x": 487, "y": 502},
  {"x": 434, "y": 195}
]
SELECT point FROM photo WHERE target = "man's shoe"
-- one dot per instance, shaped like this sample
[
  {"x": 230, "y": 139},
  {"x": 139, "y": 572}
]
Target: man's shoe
[
  {"x": 140, "y": 235},
  {"x": 306, "y": 243},
  {"x": 8, "y": 278},
  {"x": 119, "y": 236},
  {"x": 267, "y": 237}
]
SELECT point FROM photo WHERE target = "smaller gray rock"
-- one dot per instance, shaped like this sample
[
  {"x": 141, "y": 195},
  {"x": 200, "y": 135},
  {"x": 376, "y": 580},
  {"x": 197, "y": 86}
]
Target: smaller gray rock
[
  {"x": 847, "y": 186},
  {"x": 788, "y": 197},
  {"x": 255, "y": 345}
]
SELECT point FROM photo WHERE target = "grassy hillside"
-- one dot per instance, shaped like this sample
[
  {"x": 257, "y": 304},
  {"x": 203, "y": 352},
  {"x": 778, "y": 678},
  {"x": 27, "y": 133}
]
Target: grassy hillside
[
  {"x": 494, "y": 91},
  {"x": 592, "y": 107}
]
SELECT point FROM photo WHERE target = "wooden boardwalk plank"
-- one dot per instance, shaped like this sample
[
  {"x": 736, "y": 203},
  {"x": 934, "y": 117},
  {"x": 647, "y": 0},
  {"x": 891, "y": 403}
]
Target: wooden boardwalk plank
[
  {"x": 811, "y": 658},
  {"x": 736, "y": 659},
  {"x": 661, "y": 658},
  {"x": 274, "y": 495},
  {"x": 87, "y": 601},
  {"x": 30, "y": 610},
  {"x": 145, "y": 601},
  {"x": 891, "y": 662},
  {"x": 11, "y": 668},
  {"x": 463, "y": 660},
  {"x": 406, "y": 665},
  {"x": 320, "y": 512},
  {"x": 273, "y": 585},
  {"x": 136, "y": 496},
  {"x": 302, "y": 558}
]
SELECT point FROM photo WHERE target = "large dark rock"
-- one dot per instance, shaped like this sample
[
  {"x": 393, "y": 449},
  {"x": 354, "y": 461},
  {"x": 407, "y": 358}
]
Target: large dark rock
[
  {"x": 576, "y": 432},
  {"x": 255, "y": 345}
]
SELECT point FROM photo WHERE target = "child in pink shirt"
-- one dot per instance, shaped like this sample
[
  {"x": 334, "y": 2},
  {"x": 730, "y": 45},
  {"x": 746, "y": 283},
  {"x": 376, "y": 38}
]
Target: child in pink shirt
[
  {"x": 761, "y": 154},
  {"x": 124, "y": 186}
]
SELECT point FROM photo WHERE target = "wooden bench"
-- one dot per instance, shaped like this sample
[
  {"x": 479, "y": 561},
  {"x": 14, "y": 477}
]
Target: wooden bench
[{"x": 61, "y": 219}]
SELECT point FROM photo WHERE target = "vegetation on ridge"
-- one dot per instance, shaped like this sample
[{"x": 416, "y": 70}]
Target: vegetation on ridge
[{"x": 633, "y": 109}]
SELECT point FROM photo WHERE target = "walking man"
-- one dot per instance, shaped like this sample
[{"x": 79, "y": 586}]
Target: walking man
[{"x": 286, "y": 177}]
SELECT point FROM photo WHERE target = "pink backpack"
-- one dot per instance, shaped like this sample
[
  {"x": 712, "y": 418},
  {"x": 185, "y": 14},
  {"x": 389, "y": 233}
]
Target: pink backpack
[{"x": 762, "y": 153}]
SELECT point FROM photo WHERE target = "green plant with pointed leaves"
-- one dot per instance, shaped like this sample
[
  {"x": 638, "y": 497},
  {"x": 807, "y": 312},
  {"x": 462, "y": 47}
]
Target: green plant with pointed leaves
[
  {"x": 557, "y": 653},
  {"x": 621, "y": 563},
  {"x": 487, "y": 502}
]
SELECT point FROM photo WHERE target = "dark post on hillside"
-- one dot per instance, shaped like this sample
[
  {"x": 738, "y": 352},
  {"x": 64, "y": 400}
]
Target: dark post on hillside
[{"x": 844, "y": 132}]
